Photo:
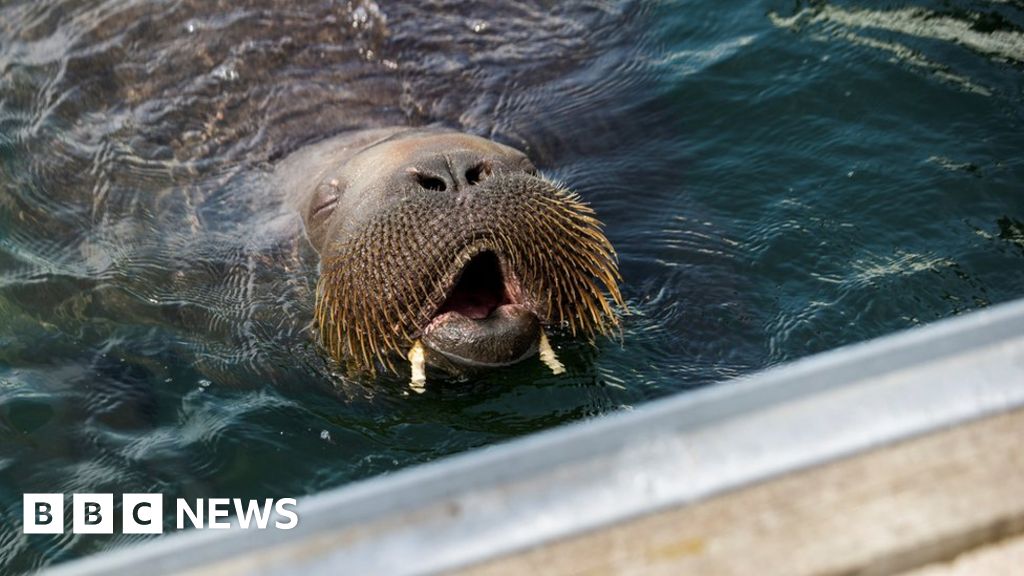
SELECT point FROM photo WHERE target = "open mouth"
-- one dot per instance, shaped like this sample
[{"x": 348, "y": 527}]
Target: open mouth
[
  {"x": 480, "y": 289},
  {"x": 481, "y": 322}
]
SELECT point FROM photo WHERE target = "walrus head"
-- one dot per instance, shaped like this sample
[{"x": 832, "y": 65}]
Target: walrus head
[{"x": 455, "y": 241}]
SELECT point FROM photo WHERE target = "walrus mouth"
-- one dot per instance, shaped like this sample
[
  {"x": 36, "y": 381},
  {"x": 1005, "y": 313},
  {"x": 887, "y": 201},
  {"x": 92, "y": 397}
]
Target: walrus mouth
[
  {"x": 479, "y": 289},
  {"x": 483, "y": 320},
  {"x": 472, "y": 277}
]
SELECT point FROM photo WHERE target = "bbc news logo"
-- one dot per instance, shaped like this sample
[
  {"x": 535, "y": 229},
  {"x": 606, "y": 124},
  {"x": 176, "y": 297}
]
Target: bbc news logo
[{"x": 144, "y": 513}]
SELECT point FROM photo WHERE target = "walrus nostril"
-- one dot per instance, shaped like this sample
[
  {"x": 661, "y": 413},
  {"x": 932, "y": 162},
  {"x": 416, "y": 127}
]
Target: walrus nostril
[
  {"x": 478, "y": 173},
  {"x": 431, "y": 183}
]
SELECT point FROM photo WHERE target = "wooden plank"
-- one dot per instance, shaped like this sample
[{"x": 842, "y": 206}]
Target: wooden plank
[
  {"x": 1002, "y": 558},
  {"x": 893, "y": 509}
]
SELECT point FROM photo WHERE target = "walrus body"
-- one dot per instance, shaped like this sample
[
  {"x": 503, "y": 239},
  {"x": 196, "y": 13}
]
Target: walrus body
[{"x": 435, "y": 236}]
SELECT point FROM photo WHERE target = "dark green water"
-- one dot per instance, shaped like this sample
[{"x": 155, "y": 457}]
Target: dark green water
[{"x": 779, "y": 179}]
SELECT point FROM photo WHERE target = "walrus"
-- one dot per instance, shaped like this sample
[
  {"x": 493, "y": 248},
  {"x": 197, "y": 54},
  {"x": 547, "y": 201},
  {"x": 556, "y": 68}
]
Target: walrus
[{"x": 446, "y": 248}]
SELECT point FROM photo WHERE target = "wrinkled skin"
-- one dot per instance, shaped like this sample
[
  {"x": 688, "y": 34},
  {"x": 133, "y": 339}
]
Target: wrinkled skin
[{"x": 473, "y": 309}]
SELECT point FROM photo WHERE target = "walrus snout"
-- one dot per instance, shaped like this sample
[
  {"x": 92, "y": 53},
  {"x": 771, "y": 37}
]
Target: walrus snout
[{"x": 481, "y": 321}]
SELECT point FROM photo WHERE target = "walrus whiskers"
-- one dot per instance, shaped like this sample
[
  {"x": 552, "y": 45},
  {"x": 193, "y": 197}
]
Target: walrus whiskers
[{"x": 383, "y": 283}]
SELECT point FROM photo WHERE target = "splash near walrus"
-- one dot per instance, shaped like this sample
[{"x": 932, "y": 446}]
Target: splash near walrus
[{"x": 449, "y": 249}]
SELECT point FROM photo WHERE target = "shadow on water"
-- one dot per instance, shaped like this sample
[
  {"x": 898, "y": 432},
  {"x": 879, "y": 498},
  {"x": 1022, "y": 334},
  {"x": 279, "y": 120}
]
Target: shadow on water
[{"x": 779, "y": 178}]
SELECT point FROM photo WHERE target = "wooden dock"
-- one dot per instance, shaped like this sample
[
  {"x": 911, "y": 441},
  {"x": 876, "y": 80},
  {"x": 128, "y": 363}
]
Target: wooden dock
[{"x": 950, "y": 502}]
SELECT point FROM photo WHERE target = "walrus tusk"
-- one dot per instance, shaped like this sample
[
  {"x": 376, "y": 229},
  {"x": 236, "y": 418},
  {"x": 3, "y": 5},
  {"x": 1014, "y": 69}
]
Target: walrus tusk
[
  {"x": 547, "y": 355},
  {"x": 419, "y": 375}
]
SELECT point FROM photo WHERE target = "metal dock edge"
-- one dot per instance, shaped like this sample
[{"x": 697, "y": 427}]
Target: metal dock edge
[{"x": 479, "y": 506}]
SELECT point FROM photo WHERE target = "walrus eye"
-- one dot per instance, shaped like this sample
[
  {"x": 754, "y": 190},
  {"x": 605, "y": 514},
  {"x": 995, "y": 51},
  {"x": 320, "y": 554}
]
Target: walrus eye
[
  {"x": 431, "y": 182},
  {"x": 325, "y": 200},
  {"x": 478, "y": 173}
]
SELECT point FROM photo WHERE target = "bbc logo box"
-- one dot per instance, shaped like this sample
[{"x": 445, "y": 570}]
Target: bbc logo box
[
  {"x": 144, "y": 513},
  {"x": 93, "y": 513}
]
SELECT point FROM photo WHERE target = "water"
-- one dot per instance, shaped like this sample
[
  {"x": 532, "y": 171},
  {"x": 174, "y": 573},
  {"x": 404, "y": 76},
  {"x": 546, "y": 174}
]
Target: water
[{"x": 779, "y": 179}]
